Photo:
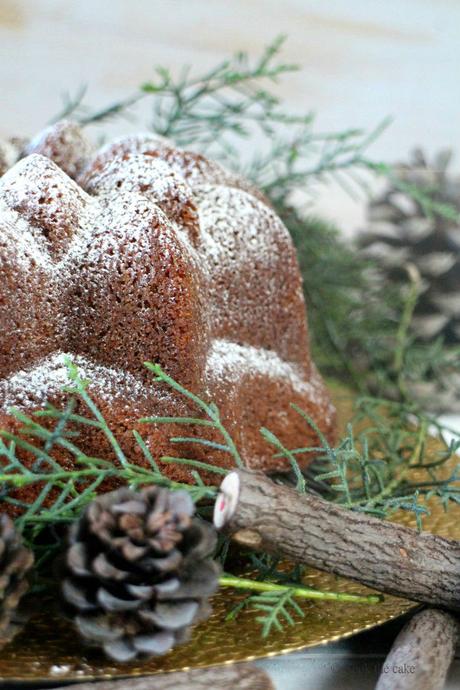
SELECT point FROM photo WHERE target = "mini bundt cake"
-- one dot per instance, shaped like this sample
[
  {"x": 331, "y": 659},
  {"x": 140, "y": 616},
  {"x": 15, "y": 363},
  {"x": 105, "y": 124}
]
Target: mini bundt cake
[{"x": 143, "y": 251}]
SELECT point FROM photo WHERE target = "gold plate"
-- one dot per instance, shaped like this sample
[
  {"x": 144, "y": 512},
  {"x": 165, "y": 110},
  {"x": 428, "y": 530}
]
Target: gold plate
[{"x": 48, "y": 649}]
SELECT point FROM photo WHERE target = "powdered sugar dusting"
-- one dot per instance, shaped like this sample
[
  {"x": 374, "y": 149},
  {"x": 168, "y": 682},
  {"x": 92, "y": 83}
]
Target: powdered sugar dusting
[
  {"x": 157, "y": 253},
  {"x": 30, "y": 245},
  {"x": 153, "y": 178},
  {"x": 254, "y": 282},
  {"x": 31, "y": 388},
  {"x": 100, "y": 263},
  {"x": 222, "y": 230},
  {"x": 37, "y": 200},
  {"x": 192, "y": 167},
  {"x": 65, "y": 144},
  {"x": 231, "y": 361},
  {"x": 46, "y": 197}
]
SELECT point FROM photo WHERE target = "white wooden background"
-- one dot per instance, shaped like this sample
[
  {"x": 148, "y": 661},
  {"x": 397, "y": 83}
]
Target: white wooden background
[{"x": 361, "y": 59}]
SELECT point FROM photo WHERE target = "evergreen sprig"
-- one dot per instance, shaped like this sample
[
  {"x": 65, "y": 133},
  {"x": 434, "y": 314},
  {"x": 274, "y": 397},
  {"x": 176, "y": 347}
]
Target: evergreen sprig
[
  {"x": 211, "y": 112},
  {"x": 373, "y": 471},
  {"x": 354, "y": 319},
  {"x": 237, "y": 99},
  {"x": 63, "y": 492},
  {"x": 277, "y": 610},
  {"x": 358, "y": 323},
  {"x": 198, "y": 108},
  {"x": 388, "y": 465},
  {"x": 381, "y": 464},
  {"x": 213, "y": 421},
  {"x": 277, "y": 602}
]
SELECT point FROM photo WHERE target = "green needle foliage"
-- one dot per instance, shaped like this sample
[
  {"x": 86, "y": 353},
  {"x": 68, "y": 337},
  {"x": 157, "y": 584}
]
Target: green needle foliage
[
  {"x": 278, "y": 605},
  {"x": 361, "y": 329},
  {"x": 277, "y": 610},
  {"x": 354, "y": 319},
  {"x": 387, "y": 466},
  {"x": 213, "y": 421},
  {"x": 346, "y": 329},
  {"x": 64, "y": 492},
  {"x": 376, "y": 470},
  {"x": 213, "y": 111}
]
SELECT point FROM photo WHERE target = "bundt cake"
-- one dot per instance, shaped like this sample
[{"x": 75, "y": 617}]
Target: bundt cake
[{"x": 143, "y": 251}]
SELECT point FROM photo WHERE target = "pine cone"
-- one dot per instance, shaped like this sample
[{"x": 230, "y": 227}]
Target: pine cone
[
  {"x": 399, "y": 232},
  {"x": 138, "y": 572},
  {"x": 15, "y": 562}
]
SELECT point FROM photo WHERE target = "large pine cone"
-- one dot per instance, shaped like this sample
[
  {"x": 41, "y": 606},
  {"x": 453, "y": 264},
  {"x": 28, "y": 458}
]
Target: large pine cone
[
  {"x": 138, "y": 572},
  {"x": 16, "y": 560},
  {"x": 400, "y": 231}
]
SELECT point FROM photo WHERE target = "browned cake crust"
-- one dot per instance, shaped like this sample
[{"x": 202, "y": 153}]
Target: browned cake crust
[{"x": 152, "y": 253}]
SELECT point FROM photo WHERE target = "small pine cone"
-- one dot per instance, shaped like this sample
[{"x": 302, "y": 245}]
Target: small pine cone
[
  {"x": 16, "y": 560},
  {"x": 138, "y": 572}
]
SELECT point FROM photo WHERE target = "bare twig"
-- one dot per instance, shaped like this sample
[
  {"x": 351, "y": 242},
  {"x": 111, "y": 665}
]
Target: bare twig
[
  {"x": 309, "y": 530},
  {"x": 422, "y": 653}
]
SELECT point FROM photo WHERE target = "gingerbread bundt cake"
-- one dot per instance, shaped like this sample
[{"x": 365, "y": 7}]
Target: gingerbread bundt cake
[{"x": 143, "y": 251}]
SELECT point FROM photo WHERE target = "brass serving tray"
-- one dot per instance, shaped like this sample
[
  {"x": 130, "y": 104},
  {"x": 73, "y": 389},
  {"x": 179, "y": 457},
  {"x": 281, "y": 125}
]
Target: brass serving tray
[{"x": 48, "y": 649}]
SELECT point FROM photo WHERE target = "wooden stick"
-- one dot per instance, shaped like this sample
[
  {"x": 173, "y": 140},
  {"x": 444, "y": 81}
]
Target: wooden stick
[
  {"x": 241, "y": 676},
  {"x": 307, "y": 529},
  {"x": 422, "y": 653}
]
